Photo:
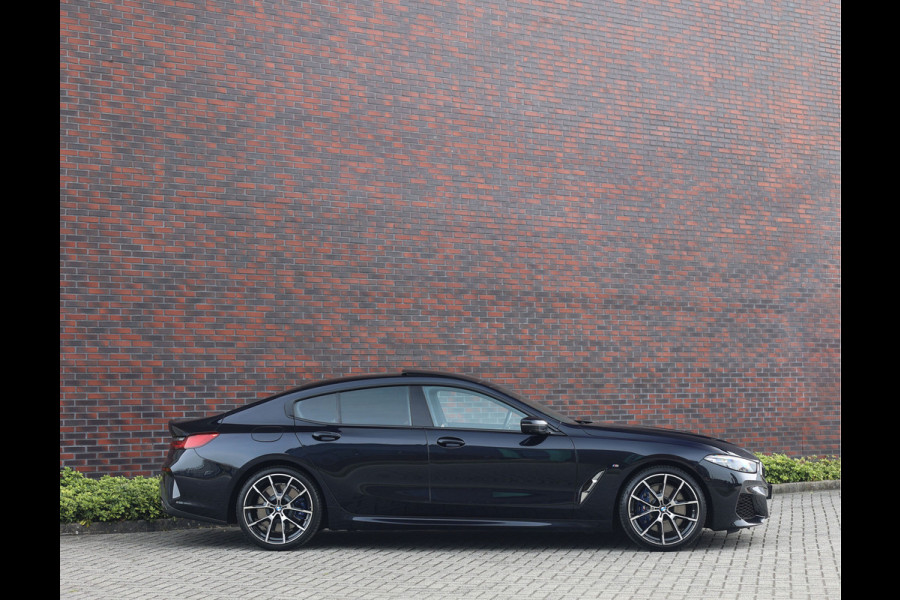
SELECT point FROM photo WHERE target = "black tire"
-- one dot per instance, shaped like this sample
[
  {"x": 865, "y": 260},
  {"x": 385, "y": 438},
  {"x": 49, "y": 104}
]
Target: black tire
[
  {"x": 662, "y": 508},
  {"x": 279, "y": 509}
]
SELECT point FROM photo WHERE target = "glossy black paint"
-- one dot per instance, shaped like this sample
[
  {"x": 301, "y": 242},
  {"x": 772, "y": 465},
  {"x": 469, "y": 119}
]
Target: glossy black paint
[{"x": 420, "y": 474}]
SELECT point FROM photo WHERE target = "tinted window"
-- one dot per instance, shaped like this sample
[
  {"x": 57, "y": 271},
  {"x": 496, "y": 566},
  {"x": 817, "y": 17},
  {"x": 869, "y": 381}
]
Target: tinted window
[
  {"x": 321, "y": 408},
  {"x": 464, "y": 409},
  {"x": 376, "y": 406},
  {"x": 370, "y": 406}
]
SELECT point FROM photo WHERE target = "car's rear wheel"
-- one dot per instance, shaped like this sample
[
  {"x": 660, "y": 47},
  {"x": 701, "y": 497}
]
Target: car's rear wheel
[
  {"x": 279, "y": 508},
  {"x": 662, "y": 508}
]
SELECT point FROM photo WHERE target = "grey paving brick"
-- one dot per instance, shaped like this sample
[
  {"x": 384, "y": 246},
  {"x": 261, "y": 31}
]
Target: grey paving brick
[{"x": 796, "y": 555}]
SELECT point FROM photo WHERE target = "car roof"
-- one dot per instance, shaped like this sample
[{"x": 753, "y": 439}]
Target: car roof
[
  {"x": 402, "y": 373},
  {"x": 468, "y": 378},
  {"x": 405, "y": 373}
]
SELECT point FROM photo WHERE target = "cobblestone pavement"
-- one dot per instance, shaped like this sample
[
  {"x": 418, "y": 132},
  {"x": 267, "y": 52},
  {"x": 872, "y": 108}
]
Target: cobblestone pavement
[{"x": 796, "y": 555}]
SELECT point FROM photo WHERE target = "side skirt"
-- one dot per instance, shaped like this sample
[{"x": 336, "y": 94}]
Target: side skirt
[{"x": 358, "y": 522}]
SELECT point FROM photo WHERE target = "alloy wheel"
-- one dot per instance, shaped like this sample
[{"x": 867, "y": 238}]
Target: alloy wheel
[
  {"x": 279, "y": 509},
  {"x": 664, "y": 509}
]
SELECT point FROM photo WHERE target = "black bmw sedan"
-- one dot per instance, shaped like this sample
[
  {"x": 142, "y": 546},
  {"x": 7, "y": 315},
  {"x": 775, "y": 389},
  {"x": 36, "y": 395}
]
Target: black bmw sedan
[{"x": 423, "y": 449}]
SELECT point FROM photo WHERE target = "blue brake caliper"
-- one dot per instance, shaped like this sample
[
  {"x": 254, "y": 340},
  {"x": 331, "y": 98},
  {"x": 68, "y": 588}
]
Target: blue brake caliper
[{"x": 647, "y": 498}]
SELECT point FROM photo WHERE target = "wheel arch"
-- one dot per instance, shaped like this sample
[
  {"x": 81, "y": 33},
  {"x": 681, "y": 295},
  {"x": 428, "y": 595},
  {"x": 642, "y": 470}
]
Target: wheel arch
[
  {"x": 272, "y": 462},
  {"x": 664, "y": 461}
]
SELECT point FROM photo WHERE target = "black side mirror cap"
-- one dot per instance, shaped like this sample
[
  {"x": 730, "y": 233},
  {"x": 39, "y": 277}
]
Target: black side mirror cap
[{"x": 533, "y": 426}]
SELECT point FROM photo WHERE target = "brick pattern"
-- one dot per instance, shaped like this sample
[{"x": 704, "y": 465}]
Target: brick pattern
[
  {"x": 462, "y": 565},
  {"x": 630, "y": 211}
]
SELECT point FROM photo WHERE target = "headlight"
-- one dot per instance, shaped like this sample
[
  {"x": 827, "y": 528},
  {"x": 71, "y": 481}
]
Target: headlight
[{"x": 733, "y": 462}]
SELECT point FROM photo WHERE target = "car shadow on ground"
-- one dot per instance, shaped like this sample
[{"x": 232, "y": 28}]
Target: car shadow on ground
[
  {"x": 469, "y": 540},
  {"x": 438, "y": 540}
]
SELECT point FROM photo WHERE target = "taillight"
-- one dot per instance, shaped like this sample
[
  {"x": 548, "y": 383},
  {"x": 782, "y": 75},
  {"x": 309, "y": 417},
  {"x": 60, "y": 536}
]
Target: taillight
[{"x": 193, "y": 441}]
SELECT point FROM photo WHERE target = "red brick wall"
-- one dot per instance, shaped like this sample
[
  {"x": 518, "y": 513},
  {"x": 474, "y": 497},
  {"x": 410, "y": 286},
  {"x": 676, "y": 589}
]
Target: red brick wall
[{"x": 630, "y": 210}]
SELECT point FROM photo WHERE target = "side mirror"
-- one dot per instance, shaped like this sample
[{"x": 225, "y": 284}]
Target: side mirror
[{"x": 533, "y": 426}]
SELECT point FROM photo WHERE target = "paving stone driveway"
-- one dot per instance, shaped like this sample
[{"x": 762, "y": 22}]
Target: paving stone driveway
[{"x": 796, "y": 555}]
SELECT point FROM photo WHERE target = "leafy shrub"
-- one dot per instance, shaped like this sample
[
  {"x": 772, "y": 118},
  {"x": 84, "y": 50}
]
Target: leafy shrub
[
  {"x": 783, "y": 469},
  {"x": 82, "y": 500}
]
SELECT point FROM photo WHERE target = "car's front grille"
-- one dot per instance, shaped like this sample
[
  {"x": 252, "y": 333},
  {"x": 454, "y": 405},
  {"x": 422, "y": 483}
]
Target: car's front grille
[{"x": 751, "y": 506}]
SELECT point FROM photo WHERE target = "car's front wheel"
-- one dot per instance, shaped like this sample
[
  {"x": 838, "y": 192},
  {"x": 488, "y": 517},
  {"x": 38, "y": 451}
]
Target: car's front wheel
[
  {"x": 662, "y": 508},
  {"x": 279, "y": 509}
]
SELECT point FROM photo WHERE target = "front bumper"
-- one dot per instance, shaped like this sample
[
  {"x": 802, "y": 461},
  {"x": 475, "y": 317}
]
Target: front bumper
[{"x": 737, "y": 500}]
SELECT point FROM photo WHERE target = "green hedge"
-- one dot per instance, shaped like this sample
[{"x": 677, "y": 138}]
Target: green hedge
[
  {"x": 783, "y": 469},
  {"x": 83, "y": 500}
]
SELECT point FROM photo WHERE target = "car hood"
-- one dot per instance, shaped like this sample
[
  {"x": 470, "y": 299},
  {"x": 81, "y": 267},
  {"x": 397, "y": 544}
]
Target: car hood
[{"x": 670, "y": 435}]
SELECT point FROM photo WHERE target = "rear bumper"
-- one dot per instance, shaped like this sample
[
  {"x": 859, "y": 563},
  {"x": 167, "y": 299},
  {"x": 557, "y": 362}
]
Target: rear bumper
[
  {"x": 194, "y": 488},
  {"x": 171, "y": 506}
]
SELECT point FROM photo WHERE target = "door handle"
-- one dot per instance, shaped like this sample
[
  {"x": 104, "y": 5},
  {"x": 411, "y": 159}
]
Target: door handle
[
  {"x": 326, "y": 436},
  {"x": 451, "y": 442}
]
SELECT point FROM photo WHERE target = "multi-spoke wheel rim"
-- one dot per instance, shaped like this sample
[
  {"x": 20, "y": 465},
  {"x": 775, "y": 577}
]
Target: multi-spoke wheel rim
[
  {"x": 277, "y": 508},
  {"x": 663, "y": 509}
]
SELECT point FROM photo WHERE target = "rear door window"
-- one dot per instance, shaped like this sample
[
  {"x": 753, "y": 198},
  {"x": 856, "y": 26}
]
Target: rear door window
[{"x": 370, "y": 406}]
